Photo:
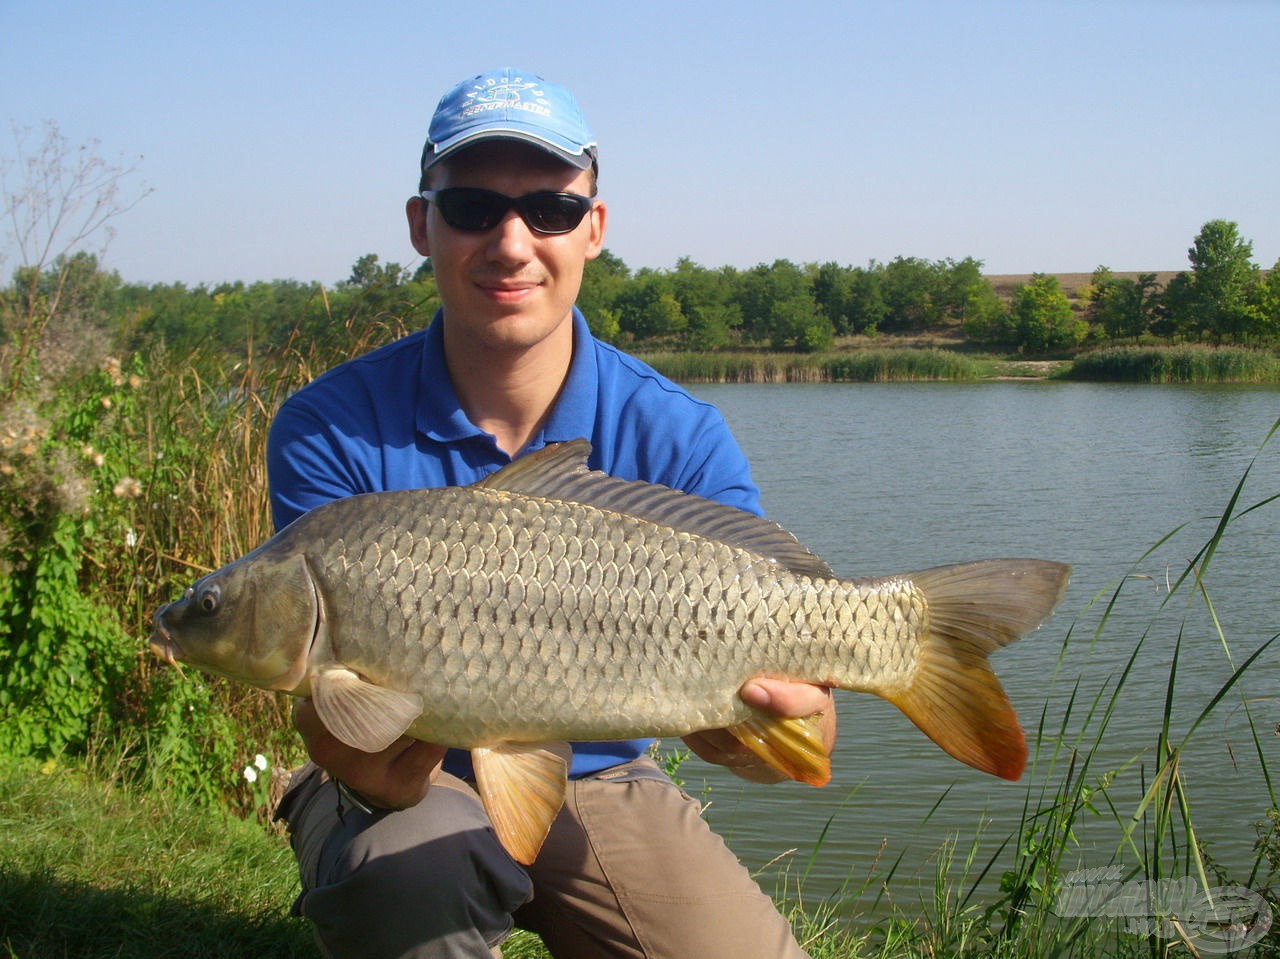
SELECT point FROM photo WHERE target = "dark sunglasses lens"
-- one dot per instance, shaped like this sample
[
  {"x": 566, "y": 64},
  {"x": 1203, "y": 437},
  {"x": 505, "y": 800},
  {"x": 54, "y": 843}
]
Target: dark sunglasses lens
[
  {"x": 554, "y": 212},
  {"x": 470, "y": 208},
  {"x": 465, "y": 209}
]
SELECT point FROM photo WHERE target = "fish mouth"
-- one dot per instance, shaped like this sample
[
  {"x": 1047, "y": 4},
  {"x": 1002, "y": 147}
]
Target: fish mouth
[{"x": 163, "y": 645}]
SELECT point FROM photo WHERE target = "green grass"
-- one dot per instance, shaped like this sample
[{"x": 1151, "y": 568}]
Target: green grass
[{"x": 91, "y": 869}]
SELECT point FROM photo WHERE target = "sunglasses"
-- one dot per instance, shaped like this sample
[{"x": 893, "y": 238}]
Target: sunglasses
[{"x": 475, "y": 210}]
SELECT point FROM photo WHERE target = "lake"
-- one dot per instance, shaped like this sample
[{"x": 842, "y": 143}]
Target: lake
[{"x": 1126, "y": 483}]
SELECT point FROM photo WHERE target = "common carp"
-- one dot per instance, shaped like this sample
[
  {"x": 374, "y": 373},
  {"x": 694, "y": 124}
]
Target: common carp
[{"x": 549, "y": 603}]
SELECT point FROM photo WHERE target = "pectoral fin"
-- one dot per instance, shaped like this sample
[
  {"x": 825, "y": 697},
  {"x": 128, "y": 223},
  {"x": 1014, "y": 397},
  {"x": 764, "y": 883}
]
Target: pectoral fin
[
  {"x": 522, "y": 786},
  {"x": 793, "y": 747},
  {"x": 360, "y": 713}
]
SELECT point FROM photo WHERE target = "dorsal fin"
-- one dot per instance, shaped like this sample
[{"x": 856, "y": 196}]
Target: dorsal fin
[{"x": 559, "y": 471}]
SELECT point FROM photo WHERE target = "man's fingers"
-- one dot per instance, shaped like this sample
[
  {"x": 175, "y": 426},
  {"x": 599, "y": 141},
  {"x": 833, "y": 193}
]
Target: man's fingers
[{"x": 784, "y": 698}]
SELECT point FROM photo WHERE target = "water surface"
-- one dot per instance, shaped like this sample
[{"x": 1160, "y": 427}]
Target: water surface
[{"x": 1126, "y": 483}]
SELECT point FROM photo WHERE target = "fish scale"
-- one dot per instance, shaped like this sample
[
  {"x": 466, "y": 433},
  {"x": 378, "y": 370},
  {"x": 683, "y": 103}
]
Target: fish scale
[
  {"x": 636, "y": 613},
  {"x": 549, "y": 603}
]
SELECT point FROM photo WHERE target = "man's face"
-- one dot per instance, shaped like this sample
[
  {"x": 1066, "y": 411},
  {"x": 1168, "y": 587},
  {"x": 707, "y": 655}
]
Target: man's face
[{"x": 508, "y": 287}]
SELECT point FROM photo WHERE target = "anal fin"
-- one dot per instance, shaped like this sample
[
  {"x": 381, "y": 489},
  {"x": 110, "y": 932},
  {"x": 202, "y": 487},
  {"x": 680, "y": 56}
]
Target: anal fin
[
  {"x": 522, "y": 786},
  {"x": 794, "y": 747}
]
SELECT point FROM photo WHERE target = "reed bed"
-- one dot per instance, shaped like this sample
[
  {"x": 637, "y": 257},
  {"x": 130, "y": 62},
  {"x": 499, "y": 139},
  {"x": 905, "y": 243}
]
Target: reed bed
[
  {"x": 860, "y": 366},
  {"x": 1177, "y": 364}
]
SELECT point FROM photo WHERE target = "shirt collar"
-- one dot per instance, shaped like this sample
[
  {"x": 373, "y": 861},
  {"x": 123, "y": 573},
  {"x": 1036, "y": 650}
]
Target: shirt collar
[
  {"x": 574, "y": 412},
  {"x": 440, "y": 415}
]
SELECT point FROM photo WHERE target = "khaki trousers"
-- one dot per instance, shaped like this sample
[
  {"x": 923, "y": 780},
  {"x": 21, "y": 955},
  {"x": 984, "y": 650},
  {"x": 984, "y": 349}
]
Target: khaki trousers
[{"x": 630, "y": 869}]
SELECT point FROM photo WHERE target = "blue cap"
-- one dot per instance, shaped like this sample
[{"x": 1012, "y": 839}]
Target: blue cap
[{"x": 510, "y": 104}]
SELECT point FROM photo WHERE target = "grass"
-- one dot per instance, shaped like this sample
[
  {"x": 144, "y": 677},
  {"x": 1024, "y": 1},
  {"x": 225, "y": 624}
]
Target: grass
[
  {"x": 92, "y": 868},
  {"x": 89, "y": 869}
]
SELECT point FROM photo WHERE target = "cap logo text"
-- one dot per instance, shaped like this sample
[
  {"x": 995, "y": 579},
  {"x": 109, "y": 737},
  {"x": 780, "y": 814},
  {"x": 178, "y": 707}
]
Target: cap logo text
[{"x": 513, "y": 94}]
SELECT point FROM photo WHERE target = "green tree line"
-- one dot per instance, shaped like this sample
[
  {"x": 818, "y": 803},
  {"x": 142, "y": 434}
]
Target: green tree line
[{"x": 1224, "y": 297}]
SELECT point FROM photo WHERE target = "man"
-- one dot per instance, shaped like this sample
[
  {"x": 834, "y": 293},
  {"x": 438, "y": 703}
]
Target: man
[{"x": 396, "y": 855}]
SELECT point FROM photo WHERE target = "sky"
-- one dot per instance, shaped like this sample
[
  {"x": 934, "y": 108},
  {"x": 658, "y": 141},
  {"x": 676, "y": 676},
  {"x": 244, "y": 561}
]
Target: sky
[{"x": 281, "y": 140}]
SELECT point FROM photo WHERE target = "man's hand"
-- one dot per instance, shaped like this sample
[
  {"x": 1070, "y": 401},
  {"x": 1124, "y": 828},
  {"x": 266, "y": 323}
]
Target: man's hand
[
  {"x": 787, "y": 699},
  {"x": 396, "y": 778}
]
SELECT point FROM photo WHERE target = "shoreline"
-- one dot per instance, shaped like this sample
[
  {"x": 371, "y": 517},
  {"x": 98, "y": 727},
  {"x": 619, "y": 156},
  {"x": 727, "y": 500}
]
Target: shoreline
[{"x": 924, "y": 362}]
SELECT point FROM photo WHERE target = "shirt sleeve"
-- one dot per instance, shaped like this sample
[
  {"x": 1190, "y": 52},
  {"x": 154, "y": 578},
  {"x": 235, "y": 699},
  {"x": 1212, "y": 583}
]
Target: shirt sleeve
[
  {"x": 718, "y": 469},
  {"x": 305, "y": 464}
]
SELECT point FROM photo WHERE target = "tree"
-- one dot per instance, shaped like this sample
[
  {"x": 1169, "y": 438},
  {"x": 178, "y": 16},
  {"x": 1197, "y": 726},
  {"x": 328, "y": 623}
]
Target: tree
[
  {"x": 71, "y": 317},
  {"x": 831, "y": 284},
  {"x": 368, "y": 274},
  {"x": 1174, "y": 311},
  {"x": 603, "y": 281},
  {"x": 1041, "y": 317},
  {"x": 913, "y": 292},
  {"x": 865, "y": 306},
  {"x": 1101, "y": 276},
  {"x": 706, "y": 300},
  {"x": 1222, "y": 279},
  {"x": 1266, "y": 303},
  {"x": 986, "y": 316},
  {"x": 1124, "y": 307},
  {"x": 777, "y": 306},
  {"x": 850, "y": 298},
  {"x": 962, "y": 287},
  {"x": 648, "y": 306},
  {"x": 56, "y": 199},
  {"x": 174, "y": 315}
]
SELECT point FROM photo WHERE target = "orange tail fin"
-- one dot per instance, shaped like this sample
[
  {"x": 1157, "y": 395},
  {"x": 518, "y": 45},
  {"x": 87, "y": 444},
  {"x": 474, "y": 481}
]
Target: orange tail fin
[{"x": 954, "y": 697}]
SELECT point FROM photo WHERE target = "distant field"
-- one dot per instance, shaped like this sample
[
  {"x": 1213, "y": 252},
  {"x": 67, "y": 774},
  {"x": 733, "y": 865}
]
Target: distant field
[{"x": 1071, "y": 282}]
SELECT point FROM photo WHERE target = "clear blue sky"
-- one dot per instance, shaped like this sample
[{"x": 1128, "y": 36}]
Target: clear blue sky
[{"x": 281, "y": 139}]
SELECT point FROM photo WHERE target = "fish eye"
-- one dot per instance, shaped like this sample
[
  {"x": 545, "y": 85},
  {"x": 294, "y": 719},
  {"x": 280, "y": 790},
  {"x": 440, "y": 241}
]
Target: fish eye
[{"x": 209, "y": 600}]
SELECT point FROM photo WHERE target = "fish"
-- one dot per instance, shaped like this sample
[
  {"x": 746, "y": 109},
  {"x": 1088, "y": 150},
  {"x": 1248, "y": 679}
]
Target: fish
[{"x": 550, "y": 603}]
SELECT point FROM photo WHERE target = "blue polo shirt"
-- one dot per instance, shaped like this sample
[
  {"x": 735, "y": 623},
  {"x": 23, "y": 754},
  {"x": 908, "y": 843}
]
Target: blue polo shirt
[{"x": 391, "y": 420}]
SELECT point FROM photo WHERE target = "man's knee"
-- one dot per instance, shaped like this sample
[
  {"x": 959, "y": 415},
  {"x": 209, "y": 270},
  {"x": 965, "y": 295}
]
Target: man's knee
[
  {"x": 393, "y": 883},
  {"x": 408, "y": 866}
]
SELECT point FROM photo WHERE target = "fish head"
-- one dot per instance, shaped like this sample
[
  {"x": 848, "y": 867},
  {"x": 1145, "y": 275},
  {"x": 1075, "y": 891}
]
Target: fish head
[{"x": 253, "y": 621}]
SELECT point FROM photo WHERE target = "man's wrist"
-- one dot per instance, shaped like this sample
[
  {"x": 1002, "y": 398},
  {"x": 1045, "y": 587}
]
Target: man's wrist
[{"x": 352, "y": 798}]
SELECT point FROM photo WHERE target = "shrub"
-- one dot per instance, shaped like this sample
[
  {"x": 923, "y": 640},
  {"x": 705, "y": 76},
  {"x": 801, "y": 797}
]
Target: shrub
[{"x": 118, "y": 487}]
